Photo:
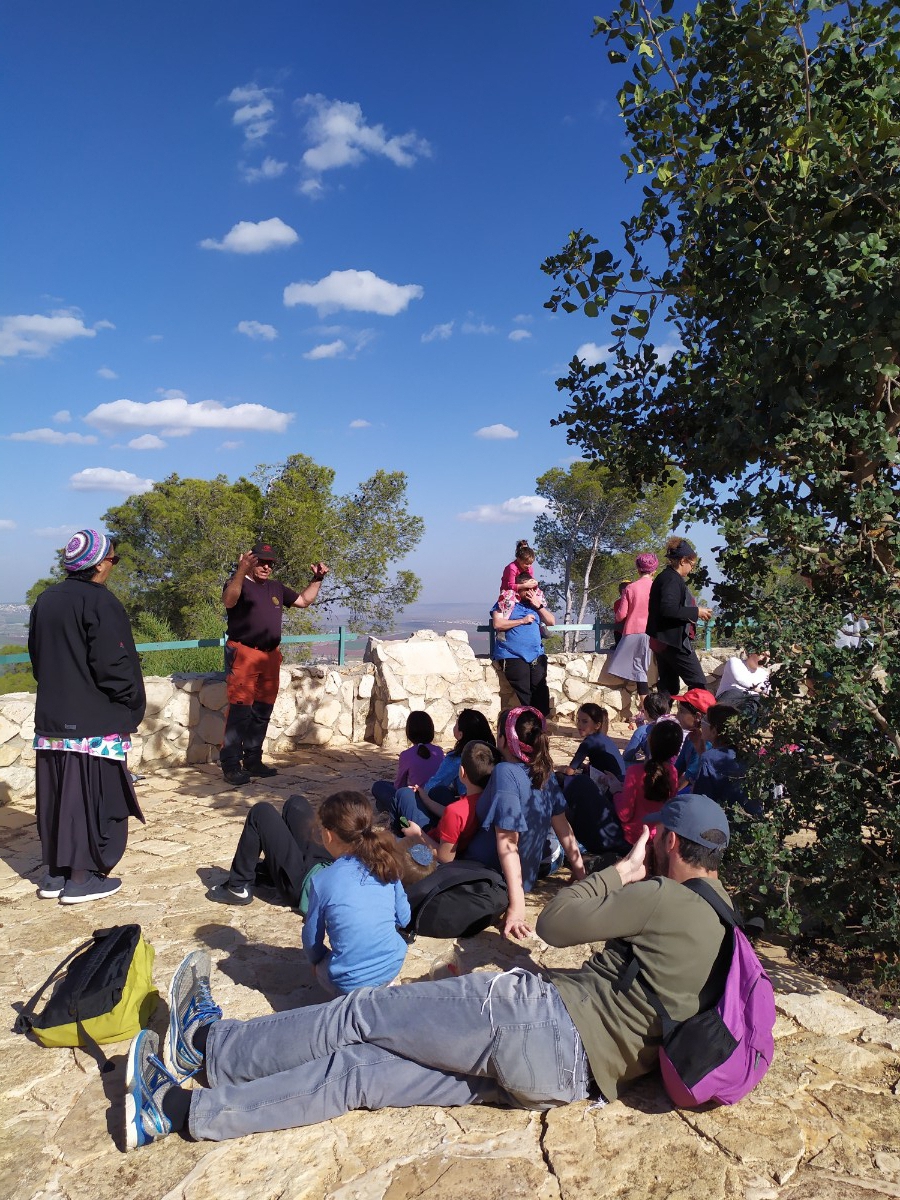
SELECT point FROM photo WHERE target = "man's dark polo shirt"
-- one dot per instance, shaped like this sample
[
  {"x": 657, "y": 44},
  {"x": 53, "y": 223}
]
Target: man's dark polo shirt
[{"x": 256, "y": 618}]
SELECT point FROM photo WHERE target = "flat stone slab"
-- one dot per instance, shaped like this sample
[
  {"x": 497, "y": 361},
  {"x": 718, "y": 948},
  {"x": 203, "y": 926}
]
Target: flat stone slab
[{"x": 824, "y": 1124}]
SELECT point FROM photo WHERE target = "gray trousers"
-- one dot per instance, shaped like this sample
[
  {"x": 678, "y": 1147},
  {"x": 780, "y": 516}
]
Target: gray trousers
[{"x": 485, "y": 1038}]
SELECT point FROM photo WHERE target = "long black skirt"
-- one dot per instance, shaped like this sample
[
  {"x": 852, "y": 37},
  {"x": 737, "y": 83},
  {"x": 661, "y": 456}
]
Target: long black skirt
[{"x": 83, "y": 806}]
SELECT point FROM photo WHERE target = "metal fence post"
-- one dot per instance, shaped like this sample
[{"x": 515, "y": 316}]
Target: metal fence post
[{"x": 341, "y": 644}]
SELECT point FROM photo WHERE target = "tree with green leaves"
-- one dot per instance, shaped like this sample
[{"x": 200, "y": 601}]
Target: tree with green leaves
[
  {"x": 180, "y": 541},
  {"x": 765, "y": 246},
  {"x": 594, "y": 525}
]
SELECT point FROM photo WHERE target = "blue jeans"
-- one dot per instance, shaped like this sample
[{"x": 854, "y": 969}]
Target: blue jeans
[
  {"x": 401, "y": 802},
  {"x": 486, "y": 1038}
]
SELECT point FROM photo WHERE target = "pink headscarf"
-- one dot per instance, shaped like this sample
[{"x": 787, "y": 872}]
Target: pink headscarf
[
  {"x": 522, "y": 752},
  {"x": 646, "y": 563}
]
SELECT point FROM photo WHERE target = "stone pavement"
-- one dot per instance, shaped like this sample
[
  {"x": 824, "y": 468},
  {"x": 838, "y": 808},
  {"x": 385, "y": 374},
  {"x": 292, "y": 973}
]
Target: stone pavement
[{"x": 825, "y": 1123}]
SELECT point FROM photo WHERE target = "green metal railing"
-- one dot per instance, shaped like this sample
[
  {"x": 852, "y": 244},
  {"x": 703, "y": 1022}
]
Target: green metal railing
[
  {"x": 599, "y": 628},
  {"x": 342, "y": 636}
]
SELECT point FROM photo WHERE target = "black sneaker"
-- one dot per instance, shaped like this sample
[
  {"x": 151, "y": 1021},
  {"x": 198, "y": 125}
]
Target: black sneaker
[
  {"x": 51, "y": 886},
  {"x": 259, "y": 770},
  {"x": 236, "y": 776},
  {"x": 96, "y": 887},
  {"x": 226, "y": 893}
]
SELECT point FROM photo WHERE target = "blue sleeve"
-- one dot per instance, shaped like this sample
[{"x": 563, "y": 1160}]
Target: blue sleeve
[
  {"x": 580, "y": 754},
  {"x": 636, "y": 745},
  {"x": 555, "y": 792},
  {"x": 500, "y": 805},
  {"x": 313, "y": 935},
  {"x": 402, "y": 911},
  {"x": 688, "y": 761},
  {"x": 447, "y": 775}
]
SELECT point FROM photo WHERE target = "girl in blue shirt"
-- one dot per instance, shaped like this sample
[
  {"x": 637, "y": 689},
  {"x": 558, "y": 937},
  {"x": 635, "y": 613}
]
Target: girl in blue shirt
[{"x": 358, "y": 902}]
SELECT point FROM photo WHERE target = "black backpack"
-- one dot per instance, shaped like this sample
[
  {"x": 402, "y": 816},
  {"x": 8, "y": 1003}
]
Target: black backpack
[{"x": 457, "y": 900}]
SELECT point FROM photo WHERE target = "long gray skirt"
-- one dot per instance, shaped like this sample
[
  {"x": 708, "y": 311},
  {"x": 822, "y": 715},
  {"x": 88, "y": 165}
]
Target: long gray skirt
[
  {"x": 83, "y": 806},
  {"x": 631, "y": 658}
]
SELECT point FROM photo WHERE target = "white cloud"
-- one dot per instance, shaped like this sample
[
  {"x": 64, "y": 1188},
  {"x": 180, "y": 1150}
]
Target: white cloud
[
  {"x": 327, "y": 350},
  {"x": 37, "y": 335},
  {"x": 269, "y": 168},
  {"x": 480, "y": 327},
  {"x": 171, "y": 393},
  {"x": 522, "y": 319},
  {"x": 255, "y": 329},
  {"x": 7, "y": 524},
  {"x": 53, "y": 437},
  {"x": 147, "y": 441},
  {"x": 339, "y": 137},
  {"x": 360, "y": 424},
  {"x": 591, "y": 354},
  {"x": 53, "y": 531},
  {"x": 230, "y": 445},
  {"x": 105, "y": 479},
  {"x": 312, "y": 188},
  {"x": 175, "y": 416},
  {"x": 62, "y": 417},
  {"x": 514, "y": 509},
  {"x": 667, "y": 350},
  {"x": 154, "y": 337},
  {"x": 358, "y": 291},
  {"x": 107, "y": 373},
  {"x": 254, "y": 110},
  {"x": 496, "y": 432},
  {"x": 519, "y": 335},
  {"x": 438, "y": 333},
  {"x": 254, "y": 237}
]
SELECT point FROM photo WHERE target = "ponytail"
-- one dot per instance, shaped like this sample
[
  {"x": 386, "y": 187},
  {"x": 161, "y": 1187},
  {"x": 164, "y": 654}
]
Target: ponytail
[
  {"x": 350, "y": 816},
  {"x": 523, "y": 730},
  {"x": 663, "y": 744}
]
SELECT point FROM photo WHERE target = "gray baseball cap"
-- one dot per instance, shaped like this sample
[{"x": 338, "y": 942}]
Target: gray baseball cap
[{"x": 691, "y": 816}]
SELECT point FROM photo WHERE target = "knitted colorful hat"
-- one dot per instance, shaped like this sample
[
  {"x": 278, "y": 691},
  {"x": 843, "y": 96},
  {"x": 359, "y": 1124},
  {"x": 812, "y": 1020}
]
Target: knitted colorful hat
[
  {"x": 646, "y": 563},
  {"x": 86, "y": 548}
]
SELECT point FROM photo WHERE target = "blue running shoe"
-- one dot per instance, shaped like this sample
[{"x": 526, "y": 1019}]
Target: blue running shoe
[
  {"x": 191, "y": 1006},
  {"x": 146, "y": 1083}
]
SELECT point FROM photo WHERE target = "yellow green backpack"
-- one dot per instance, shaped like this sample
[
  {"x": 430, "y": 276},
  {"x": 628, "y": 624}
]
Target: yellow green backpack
[{"x": 103, "y": 993}]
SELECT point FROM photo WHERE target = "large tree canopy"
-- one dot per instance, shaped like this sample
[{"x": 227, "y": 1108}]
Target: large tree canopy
[
  {"x": 766, "y": 249},
  {"x": 180, "y": 541}
]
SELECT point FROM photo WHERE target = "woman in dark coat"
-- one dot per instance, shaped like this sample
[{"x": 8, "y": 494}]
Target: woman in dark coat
[
  {"x": 90, "y": 697},
  {"x": 671, "y": 612}
]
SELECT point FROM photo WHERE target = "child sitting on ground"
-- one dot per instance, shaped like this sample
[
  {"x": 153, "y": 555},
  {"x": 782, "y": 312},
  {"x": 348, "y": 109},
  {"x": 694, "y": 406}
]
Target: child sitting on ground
[
  {"x": 458, "y": 823},
  {"x": 596, "y": 769},
  {"x": 721, "y": 772},
  {"x": 655, "y": 705},
  {"x": 689, "y": 713},
  {"x": 415, "y": 765},
  {"x": 651, "y": 784},
  {"x": 358, "y": 902},
  {"x": 597, "y": 747}
]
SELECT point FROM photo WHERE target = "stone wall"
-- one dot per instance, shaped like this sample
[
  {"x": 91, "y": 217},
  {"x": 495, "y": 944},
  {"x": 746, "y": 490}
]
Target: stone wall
[{"x": 335, "y": 706}]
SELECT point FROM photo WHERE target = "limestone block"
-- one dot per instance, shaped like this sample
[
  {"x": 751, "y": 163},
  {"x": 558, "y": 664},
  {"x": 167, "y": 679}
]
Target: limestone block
[
  {"x": 7, "y": 729},
  {"x": 556, "y": 674},
  {"x": 28, "y": 757},
  {"x": 210, "y": 730},
  {"x": 198, "y": 750},
  {"x": 214, "y": 694},
  {"x": 887, "y": 1034},
  {"x": 425, "y": 653},
  {"x": 317, "y": 735},
  {"x": 154, "y": 724},
  {"x": 460, "y": 693},
  {"x": 577, "y": 667},
  {"x": 136, "y": 753},
  {"x": 15, "y": 781},
  {"x": 285, "y": 708},
  {"x": 298, "y": 727},
  {"x": 160, "y": 752},
  {"x": 345, "y": 725},
  {"x": 332, "y": 683},
  {"x": 188, "y": 682},
  {"x": 179, "y": 735},
  {"x": 576, "y": 689},
  {"x": 393, "y": 688},
  {"x": 18, "y": 708},
  {"x": 10, "y": 751},
  {"x": 348, "y": 692},
  {"x": 443, "y": 713},
  {"x": 178, "y": 710},
  {"x": 397, "y": 716},
  {"x": 366, "y": 684},
  {"x": 327, "y": 714},
  {"x": 159, "y": 693}
]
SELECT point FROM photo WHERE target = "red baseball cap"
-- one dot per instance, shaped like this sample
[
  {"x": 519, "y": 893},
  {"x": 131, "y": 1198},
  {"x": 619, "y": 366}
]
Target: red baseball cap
[{"x": 698, "y": 698}]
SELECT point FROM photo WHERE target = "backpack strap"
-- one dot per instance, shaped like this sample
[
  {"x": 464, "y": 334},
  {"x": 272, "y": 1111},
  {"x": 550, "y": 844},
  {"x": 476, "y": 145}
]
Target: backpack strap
[
  {"x": 25, "y": 1019},
  {"x": 727, "y": 915}
]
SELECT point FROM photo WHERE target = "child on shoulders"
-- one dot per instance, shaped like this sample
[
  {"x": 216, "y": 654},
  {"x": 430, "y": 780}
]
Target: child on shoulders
[
  {"x": 522, "y": 564},
  {"x": 358, "y": 903}
]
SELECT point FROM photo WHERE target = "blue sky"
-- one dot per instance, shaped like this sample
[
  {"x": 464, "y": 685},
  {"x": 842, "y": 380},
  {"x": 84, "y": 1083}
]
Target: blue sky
[{"x": 233, "y": 232}]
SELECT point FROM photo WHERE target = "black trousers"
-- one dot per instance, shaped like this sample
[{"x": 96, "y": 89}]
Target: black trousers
[
  {"x": 679, "y": 662},
  {"x": 529, "y": 681},
  {"x": 592, "y": 815},
  {"x": 286, "y": 840},
  {"x": 245, "y": 732}
]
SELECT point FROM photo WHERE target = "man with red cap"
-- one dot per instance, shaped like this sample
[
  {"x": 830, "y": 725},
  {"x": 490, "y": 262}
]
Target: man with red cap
[{"x": 254, "y": 601}]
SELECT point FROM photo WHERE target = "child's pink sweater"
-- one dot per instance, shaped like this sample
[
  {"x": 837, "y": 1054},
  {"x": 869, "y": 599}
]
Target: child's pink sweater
[
  {"x": 632, "y": 806},
  {"x": 511, "y": 573}
]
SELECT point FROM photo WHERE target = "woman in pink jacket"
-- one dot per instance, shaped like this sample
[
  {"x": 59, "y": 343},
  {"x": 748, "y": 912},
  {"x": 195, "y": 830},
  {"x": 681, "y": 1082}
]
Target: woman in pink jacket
[{"x": 630, "y": 659}]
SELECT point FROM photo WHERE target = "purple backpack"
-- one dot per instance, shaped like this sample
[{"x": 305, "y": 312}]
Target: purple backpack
[{"x": 721, "y": 1054}]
